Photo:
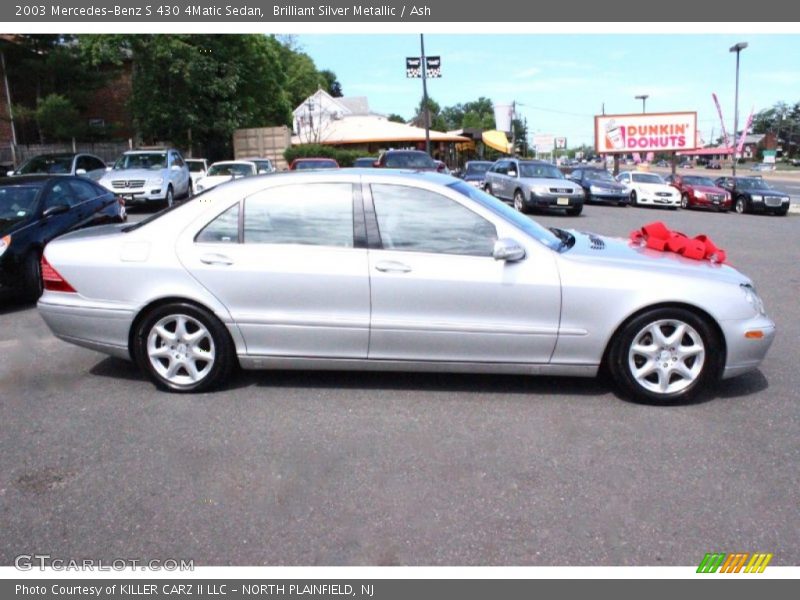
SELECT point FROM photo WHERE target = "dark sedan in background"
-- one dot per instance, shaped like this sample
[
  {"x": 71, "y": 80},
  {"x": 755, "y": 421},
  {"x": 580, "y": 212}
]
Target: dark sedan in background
[
  {"x": 34, "y": 209},
  {"x": 753, "y": 194},
  {"x": 474, "y": 172},
  {"x": 700, "y": 192},
  {"x": 600, "y": 186}
]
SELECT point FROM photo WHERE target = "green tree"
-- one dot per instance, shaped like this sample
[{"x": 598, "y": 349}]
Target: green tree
[
  {"x": 435, "y": 119},
  {"x": 330, "y": 83},
  {"x": 58, "y": 119},
  {"x": 395, "y": 118}
]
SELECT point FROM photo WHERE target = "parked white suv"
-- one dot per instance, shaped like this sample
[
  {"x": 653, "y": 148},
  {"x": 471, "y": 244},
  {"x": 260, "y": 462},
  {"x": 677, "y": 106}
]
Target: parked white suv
[{"x": 144, "y": 176}]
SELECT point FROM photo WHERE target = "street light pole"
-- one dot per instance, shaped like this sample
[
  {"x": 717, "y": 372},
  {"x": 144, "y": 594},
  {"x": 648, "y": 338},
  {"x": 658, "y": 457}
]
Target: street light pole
[
  {"x": 643, "y": 98},
  {"x": 738, "y": 49}
]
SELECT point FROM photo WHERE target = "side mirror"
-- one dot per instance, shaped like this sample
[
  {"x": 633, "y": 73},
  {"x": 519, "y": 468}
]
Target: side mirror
[
  {"x": 58, "y": 209},
  {"x": 512, "y": 173},
  {"x": 175, "y": 168},
  {"x": 508, "y": 250},
  {"x": 80, "y": 171}
]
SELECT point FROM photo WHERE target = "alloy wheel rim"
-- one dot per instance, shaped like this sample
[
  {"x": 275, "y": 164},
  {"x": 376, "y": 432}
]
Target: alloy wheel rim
[
  {"x": 740, "y": 206},
  {"x": 666, "y": 356},
  {"x": 181, "y": 349}
]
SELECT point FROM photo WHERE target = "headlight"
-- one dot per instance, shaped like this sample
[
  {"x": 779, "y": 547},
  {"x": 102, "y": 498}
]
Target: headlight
[
  {"x": 700, "y": 194},
  {"x": 785, "y": 199},
  {"x": 5, "y": 242},
  {"x": 757, "y": 198},
  {"x": 753, "y": 298},
  {"x": 540, "y": 189},
  {"x": 596, "y": 189},
  {"x": 155, "y": 181}
]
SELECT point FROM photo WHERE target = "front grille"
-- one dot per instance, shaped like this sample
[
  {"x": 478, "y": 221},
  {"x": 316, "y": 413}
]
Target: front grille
[
  {"x": 663, "y": 194},
  {"x": 716, "y": 197},
  {"x": 772, "y": 201},
  {"x": 560, "y": 191},
  {"x": 121, "y": 184}
]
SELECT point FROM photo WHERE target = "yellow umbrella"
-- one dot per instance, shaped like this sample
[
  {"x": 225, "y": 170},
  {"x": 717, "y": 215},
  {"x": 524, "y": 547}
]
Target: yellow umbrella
[{"x": 497, "y": 140}]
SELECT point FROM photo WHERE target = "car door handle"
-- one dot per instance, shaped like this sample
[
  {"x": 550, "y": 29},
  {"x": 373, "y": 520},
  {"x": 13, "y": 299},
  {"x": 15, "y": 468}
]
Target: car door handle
[
  {"x": 391, "y": 266},
  {"x": 215, "y": 259}
]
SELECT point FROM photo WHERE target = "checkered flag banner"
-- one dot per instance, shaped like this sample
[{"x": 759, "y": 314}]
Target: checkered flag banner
[
  {"x": 433, "y": 66},
  {"x": 413, "y": 67}
]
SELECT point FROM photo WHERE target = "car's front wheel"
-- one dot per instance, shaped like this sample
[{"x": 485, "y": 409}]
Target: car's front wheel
[
  {"x": 169, "y": 199},
  {"x": 183, "y": 348},
  {"x": 684, "y": 200},
  {"x": 634, "y": 199},
  {"x": 740, "y": 206},
  {"x": 32, "y": 276},
  {"x": 665, "y": 356},
  {"x": 519, "y": 202}
]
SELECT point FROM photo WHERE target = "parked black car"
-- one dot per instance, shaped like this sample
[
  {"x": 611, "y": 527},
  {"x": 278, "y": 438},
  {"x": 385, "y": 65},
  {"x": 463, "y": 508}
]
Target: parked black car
[
  {"x": 63, "y": 163},
  {"x": 34, "y": 209},
  {"x": 754, "y": 194},
  {"x": 600, "y": 186}
]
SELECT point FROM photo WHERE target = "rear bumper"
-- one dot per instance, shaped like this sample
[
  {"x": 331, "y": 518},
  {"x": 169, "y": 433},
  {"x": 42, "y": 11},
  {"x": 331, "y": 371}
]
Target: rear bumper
[{"x": 99, "y": 327}]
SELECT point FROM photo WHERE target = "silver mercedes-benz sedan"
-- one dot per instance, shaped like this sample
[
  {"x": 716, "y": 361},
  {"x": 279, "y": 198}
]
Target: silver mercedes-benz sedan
[{"x": 393, "y": 270}]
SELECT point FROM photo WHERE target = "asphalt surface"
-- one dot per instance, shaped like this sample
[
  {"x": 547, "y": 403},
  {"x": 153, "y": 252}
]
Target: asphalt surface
[{"x": 296, "y": 468}]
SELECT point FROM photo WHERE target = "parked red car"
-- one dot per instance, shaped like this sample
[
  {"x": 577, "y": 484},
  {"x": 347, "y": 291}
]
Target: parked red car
[
  {"x": 700, "y": 192},
  {"x": 313, "y": 163}
]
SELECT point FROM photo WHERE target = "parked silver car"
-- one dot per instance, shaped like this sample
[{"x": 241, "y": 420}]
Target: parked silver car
[
  {"x": 533, "y": 184},
  {"x": 145, "y": 176},
  {"x": 392, "y": 270},
  {"x": 63, "y": 163}
]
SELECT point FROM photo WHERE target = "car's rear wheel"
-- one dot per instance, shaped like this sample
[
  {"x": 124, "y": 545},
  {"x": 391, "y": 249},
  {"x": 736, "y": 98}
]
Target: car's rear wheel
[
  {"x": 519, "y": 202},
  {"x": 488, "y": 189},
  {"x": 665, "y": 356},
  {"x": 183, "y": 348},
  {"x": 32, "y": 285},
  {"x": 740, "y": 206},
  {"x": 684, "y": 200}
]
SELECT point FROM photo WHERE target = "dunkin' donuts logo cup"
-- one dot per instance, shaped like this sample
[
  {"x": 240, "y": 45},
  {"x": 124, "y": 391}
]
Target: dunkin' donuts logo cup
[{"x": 615, "y": 137}]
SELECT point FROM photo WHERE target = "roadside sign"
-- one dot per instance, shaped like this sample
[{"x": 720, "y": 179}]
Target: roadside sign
[{"x": 656, "y": 132}]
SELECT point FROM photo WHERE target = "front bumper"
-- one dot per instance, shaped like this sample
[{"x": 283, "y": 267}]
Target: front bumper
[
  {"x": 548, "y": 200},
  {"x": 656, "y": 200},
  {"x": 621, "y": 197},
  {"x": 746, "y": 353}
]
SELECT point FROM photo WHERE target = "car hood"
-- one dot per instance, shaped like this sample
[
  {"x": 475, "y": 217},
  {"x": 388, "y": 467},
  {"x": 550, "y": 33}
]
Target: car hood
[
  {"x": 8, "y": 226},
  {"x": 624, "y": 254},
  {"x": 132, "y": 174},
  {"x": 605, "y": 183},
  {"x": 554, "y": 183},
  {"x": 656, "y": 187},
  {"x": 708, "y": 189},
  {"x": 212, "y": 180}
]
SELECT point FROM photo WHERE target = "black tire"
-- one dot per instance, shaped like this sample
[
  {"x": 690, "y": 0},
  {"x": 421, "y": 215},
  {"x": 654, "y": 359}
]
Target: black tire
[
  {"x": 189, "y": 191},
  {"x": 634, "y": 199},
  {"x": 32, "y": 284},
  {"x": 488, "y": 189},
  {"x": 740, "y": 205},
  {"x": 157, "y": 357},
  {"x": 169, "y": 199},
  {"x": 574, "y": 211},
  {"x": 688, "y": 368},
  {"x": 519, "y": 202},
  {"x": 684, "y": 201}
]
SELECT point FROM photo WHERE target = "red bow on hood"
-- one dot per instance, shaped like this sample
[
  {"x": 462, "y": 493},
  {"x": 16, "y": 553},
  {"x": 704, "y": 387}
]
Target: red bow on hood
[{"x": 658, "y": 236}]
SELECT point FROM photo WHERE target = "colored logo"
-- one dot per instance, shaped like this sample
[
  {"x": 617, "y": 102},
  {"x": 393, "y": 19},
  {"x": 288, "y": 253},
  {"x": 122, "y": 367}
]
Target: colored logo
[{"x": 734, "y": 563}]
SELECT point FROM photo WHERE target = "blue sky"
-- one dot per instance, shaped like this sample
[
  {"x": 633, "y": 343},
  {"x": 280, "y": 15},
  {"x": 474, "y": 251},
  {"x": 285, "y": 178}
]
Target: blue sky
[{"x": 561, "y": 81}]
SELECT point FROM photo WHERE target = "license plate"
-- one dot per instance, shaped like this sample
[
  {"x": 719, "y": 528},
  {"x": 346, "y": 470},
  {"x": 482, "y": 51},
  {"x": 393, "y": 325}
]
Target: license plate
[{"x": 562, "y": 201}]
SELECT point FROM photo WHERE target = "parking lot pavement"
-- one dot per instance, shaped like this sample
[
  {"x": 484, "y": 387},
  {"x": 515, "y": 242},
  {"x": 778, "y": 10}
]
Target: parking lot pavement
[{"x": 284, "y": 468}]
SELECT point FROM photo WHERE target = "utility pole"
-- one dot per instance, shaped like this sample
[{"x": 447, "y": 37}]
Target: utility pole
[
  {"x": 424, "y": 67},
  {"x": 10, "y": 111}
]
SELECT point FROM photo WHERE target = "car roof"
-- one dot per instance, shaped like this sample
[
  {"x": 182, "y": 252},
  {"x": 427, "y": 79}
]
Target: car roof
[
  {"x": 39, "y": 178},
  {"x": 58, "y": 154}
]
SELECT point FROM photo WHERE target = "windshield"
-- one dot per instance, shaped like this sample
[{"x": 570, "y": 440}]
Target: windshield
[
  {"x": 142, "y": 160},
  {"x": 535, "y": 171},
  {"x": 315, "y": 164},
  {"x": 599, "y": 175},
  {"x": 694, "y": 180},
  {"x": 647, "y": 178},
  {"x": 409, "y": 160},
  {"x": 477, "y": 168},
  {"x": 263, "y": 166},
  {"x": 52, "y": 165},
  {"x": 753, "y": 183},
  {"x": 195, "y": 166},
  {"x": 17, "y": 202},
  {"x": 501, "y": 209},
  {"x": 231, "y": 170}
]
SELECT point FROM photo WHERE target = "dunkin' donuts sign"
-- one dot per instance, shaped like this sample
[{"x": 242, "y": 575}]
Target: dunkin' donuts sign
[{"x": 648, "y": 132}]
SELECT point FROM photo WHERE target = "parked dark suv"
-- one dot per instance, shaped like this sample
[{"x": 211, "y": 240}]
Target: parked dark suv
[{"x": 407, "y": 159}]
